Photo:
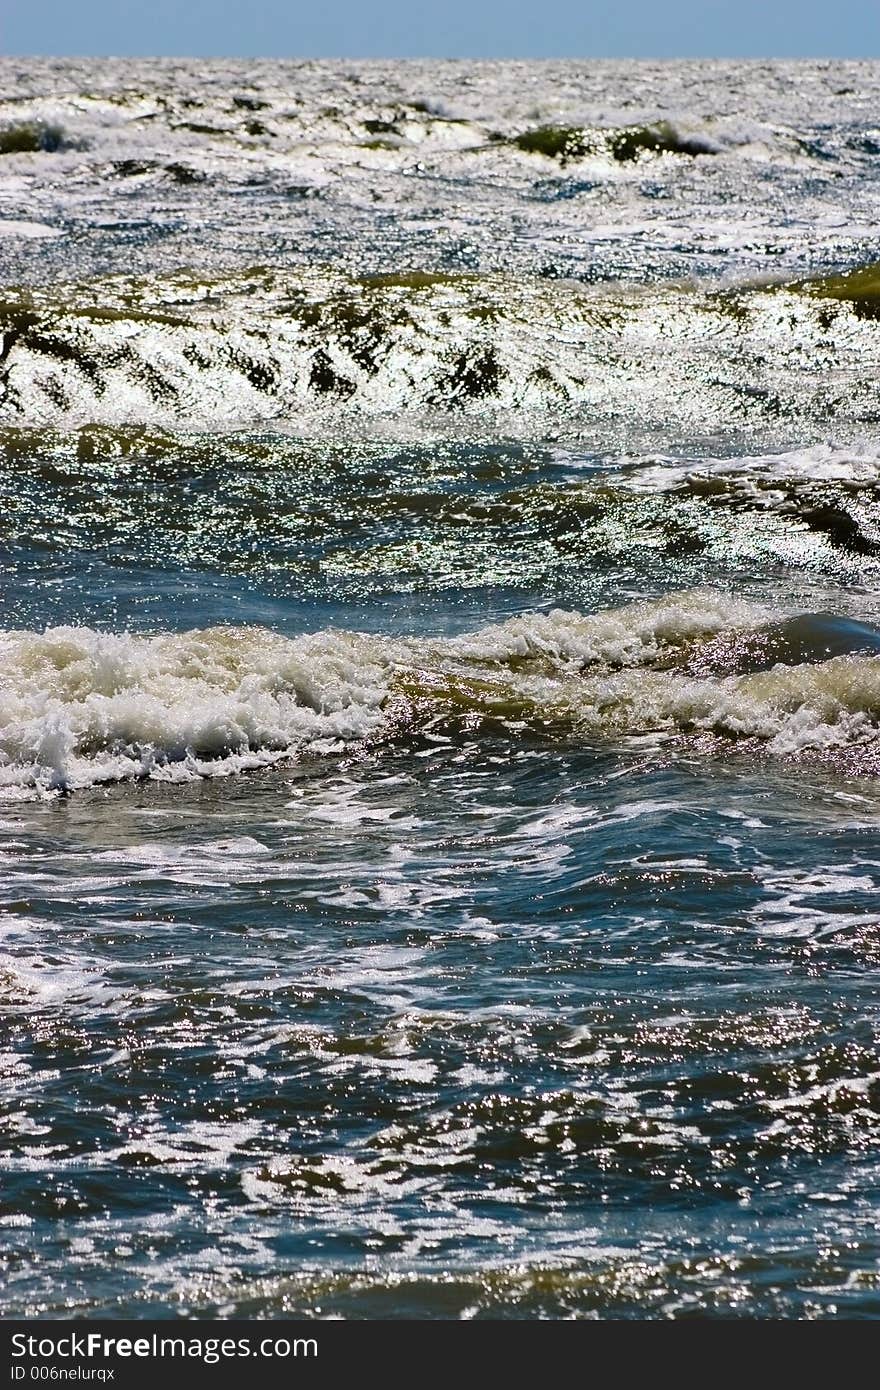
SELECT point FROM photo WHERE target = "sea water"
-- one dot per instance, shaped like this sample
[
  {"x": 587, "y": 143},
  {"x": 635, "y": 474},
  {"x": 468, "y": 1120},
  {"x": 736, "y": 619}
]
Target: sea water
[{"x": 439, "y": 689}]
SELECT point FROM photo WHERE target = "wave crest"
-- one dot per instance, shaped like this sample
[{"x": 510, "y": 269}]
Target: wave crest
[
  {"x": 79, "y": 707},
  {"x": 266, "y": 344}
]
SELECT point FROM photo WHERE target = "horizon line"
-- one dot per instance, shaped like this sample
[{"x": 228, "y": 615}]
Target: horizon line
[{"x": 437, "y": 58}]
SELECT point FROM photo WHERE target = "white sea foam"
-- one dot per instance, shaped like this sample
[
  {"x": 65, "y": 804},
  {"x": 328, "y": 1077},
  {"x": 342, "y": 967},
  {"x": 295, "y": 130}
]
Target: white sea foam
[
  {"x": 80, "y": 707},
  {"x": 620, "y": 636},
  {"x": 857, "y": 466},
  {"x": 30, "y": 230}
]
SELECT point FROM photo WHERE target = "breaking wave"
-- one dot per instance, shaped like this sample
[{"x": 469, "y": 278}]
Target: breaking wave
[
  {"x": 80, "y": 707},
  {"x": 621, "y": 143},
  {"x": 31, "y": 137}
]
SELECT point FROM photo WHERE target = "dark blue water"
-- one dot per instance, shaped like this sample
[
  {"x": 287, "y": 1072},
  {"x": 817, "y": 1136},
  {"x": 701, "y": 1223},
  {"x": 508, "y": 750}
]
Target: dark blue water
[{"x": 483, "y": 1031}]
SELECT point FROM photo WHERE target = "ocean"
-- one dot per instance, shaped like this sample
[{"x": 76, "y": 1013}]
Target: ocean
[{"x": 439, "y": 689}]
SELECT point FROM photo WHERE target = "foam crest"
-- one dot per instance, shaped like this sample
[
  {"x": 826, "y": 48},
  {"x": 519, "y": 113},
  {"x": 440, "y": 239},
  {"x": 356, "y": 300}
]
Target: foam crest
[
  {"x": 856, "y": 467},
  {"x": 812, "y": 707},
  {"x": 80, "y": 707},
  {"x": 625, "y": 636}
]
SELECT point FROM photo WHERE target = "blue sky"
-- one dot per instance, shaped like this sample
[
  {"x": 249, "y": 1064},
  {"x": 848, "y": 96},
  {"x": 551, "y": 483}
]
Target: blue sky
[{"x": 453, "y": 28}]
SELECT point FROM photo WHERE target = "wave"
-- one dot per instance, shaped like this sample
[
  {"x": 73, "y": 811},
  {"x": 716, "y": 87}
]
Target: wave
[
  {"x": 475, "y": 109},
  {"x": 32, "y": 137},
  {"x": 272, "y": 345},
  {"x": 622, "y": 144},
  {"x": 855, "y": 469},
  {"x": 365, "y": 516},
  {"x": 80, "y": 707}
]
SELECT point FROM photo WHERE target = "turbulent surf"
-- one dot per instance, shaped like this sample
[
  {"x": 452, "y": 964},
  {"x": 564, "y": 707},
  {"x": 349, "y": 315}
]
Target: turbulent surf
[{"x": 439, "y": 689}]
